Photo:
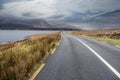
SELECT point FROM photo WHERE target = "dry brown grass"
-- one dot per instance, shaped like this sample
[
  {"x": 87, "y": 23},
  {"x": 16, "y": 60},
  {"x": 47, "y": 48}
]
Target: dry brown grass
[
  {"x": 95, "y": 32},
  {"x": 19, "y": 59},
  {"x": 109, "y": 36}
]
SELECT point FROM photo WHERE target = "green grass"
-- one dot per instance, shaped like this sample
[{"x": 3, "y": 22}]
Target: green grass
[{"x": 18, "y": 60}]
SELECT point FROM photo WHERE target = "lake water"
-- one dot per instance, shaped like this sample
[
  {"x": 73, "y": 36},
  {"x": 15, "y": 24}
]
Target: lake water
[{"x": 14, "y": 35}]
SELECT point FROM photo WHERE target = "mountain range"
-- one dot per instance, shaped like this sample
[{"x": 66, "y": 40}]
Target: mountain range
[{"x": 34, "y": 24}]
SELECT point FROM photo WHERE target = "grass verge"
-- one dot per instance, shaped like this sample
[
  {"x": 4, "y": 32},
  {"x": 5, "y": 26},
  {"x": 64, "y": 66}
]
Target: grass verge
[
  {"x": 115, "y": 42},
  {"x": 19, "y": 60},
  {"x": 108, "y": 36}
]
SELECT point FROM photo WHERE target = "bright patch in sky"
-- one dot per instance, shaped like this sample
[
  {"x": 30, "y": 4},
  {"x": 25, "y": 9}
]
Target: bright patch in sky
[{"x": 35, "y": 8}]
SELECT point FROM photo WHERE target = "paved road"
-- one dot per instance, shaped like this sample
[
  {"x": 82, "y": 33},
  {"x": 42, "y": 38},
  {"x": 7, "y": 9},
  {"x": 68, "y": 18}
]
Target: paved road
[{"x": 73, "y": 60}]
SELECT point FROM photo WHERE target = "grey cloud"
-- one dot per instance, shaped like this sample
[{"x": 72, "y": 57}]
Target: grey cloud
[
  {"x": 1, "y": 4},
  {"x": 89, "y": 13},
  {"x": 27, "y": 14},
  {"x": 109, "y": 17},
  {"x": 57, "y": 16}
]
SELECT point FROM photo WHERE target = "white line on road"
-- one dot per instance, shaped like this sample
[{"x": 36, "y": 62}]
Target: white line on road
[{"x": 102, "y": 59}]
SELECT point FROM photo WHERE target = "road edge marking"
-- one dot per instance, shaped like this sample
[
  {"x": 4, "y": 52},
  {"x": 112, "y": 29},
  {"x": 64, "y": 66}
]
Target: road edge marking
[
  {"x": 37, "y": 71},
  {"x": 53, "y": 51},
  {"x": 102, "y": 59},
  {"x": 43, "y": 64}
]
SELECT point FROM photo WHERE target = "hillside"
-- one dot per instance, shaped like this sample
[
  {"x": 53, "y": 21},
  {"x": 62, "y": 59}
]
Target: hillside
[{"x": 34, "y": 24}]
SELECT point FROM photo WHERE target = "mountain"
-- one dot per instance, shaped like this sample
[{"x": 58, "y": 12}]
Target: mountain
[
  {"x": 23, "y": 24},
  {"x": 34, "y": 24},
  {"x": 15, "y": 26},
  {"x": 39, "y": 23}
]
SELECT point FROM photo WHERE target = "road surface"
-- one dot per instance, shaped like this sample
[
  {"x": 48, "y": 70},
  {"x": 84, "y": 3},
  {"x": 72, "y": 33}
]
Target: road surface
[{"x": 82, "y": 59}]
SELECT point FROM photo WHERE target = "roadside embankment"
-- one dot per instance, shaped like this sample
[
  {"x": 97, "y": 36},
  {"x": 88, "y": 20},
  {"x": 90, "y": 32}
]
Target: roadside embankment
[{"x": 19, "y": 60}]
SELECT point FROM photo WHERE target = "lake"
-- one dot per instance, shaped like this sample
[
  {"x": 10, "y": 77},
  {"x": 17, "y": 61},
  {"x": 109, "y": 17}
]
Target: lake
[{"x": 15, "y": 35}]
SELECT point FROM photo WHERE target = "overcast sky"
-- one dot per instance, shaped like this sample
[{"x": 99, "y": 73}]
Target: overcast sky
[{"x": 74, "y": 12}]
